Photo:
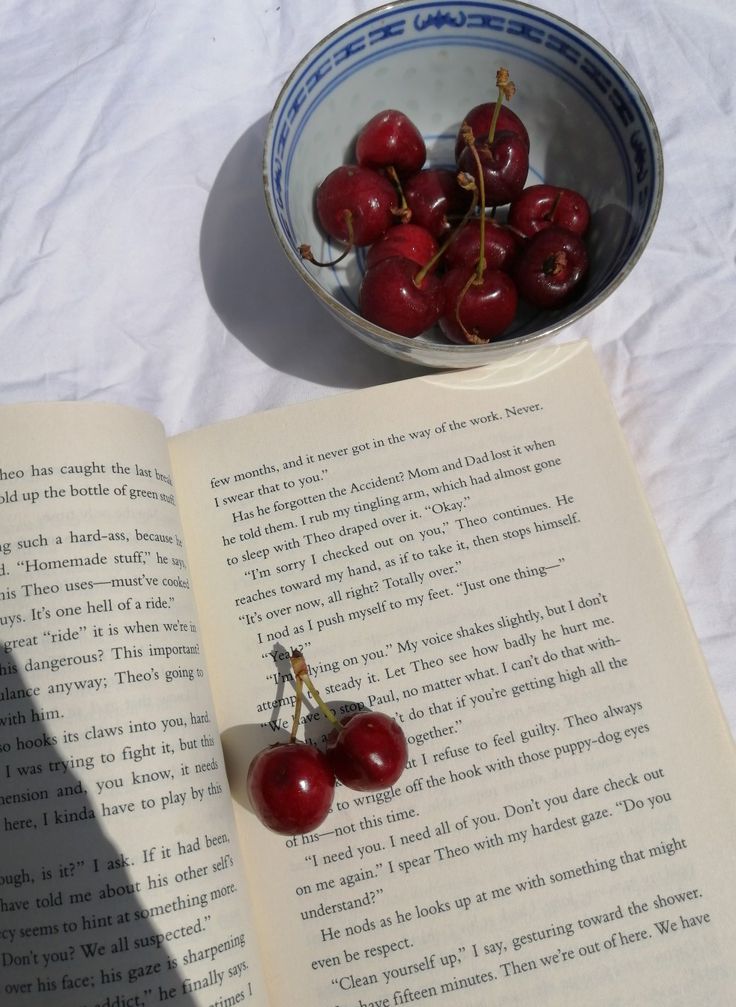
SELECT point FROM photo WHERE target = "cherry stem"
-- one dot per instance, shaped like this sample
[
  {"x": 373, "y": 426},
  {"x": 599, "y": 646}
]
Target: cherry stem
[
  {"x": 506, "y": 89},
  {"x": 481, "y": 266},
  {"x": 494, "y": 118},
  {"x": 301, "y": 674},
  {"x": 471, "y": 337},
  {"x": 306, "y": 250},
  {"x": 299, "y": 685},
  {"x": 476, "y": 277},
  {"x": 402, "y": 210}
]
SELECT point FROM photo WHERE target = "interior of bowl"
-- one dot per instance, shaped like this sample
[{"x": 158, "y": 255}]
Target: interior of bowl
[{"x": 590, "y": 129}]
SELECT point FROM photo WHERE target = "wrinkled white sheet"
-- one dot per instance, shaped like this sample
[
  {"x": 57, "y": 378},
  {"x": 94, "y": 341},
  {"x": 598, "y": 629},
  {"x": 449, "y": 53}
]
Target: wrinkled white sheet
[{"x": 138, "y": 264}]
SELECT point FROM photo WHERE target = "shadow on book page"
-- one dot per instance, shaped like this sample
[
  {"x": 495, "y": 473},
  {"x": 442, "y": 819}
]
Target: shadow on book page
[{"x": 75, "y": 930}]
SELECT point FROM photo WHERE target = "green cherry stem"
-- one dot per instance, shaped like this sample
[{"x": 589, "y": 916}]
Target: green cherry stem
[
  {"x": 299, "y": 686},
  {"x": 476, "y": 277},
  {"x": 506, "y": 89},
  {"x": 305, "y": 251},
  {"x": 481, "y": 266},
  {"x": 402, "y": 211},
  {"x": 301, "y": 674}
]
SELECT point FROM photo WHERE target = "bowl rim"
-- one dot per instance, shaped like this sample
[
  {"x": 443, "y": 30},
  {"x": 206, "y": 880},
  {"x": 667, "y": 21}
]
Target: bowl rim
[{"x": 452, "y": 353}]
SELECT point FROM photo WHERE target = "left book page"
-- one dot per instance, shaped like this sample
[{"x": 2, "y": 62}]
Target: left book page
[{"x": 121, "y": 884}]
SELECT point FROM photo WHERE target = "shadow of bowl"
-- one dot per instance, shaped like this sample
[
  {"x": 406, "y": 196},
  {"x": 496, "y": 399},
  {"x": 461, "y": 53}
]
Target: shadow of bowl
[{"x": 260, "y": 299}]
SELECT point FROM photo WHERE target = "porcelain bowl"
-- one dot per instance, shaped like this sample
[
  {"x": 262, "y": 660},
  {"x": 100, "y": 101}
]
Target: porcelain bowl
[{"x": 589, "y": 125}]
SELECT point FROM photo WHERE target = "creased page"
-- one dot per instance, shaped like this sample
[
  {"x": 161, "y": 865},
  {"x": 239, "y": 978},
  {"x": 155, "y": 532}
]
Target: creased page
[
  {"x": 470, "y": 553},
  {"x": 121, "y": 882}
]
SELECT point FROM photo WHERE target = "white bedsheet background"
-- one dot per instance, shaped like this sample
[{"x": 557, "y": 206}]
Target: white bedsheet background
[{"x": 138, "y": 264}]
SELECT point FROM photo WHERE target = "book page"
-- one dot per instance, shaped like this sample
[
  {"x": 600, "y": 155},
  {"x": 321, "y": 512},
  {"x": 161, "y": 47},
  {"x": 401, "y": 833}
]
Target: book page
[
  {"x": 121, "y": 882},
  {"x": 470, "y": 553}
]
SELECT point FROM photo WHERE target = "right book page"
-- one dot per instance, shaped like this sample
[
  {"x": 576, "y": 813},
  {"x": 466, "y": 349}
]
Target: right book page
[{"x": 471, "y": 553}]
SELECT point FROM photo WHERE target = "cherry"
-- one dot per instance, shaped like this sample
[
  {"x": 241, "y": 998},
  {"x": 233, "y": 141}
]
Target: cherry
[
  {"x": 355, "y": 204},
  {"x": 505, "y": 165},
  {"x": 500, "y": 243},
  {"x": 390, "y": 139},
  {"x": 550, "y": 268},
  {"x": 479, "y": 119},
  {"x": 398, "y": 296},
  {"x": 477, "y": 309},
  {"x": 434, "y": 198},
  {"x": 368, "y": 751},
  {"x": 409, "y": 241},
  {"x": 291, "y": 787},
  {"x": 541, "y": 206}
]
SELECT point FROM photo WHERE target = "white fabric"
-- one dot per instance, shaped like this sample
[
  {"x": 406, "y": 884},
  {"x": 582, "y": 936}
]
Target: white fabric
[{"x": 138, "y": 264}]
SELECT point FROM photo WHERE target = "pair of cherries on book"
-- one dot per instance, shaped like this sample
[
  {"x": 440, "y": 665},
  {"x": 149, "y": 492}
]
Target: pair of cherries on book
[{"x": 291, "y": 785}]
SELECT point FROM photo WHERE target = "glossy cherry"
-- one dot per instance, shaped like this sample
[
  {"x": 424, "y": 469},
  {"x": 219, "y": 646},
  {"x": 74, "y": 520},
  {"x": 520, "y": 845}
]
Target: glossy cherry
[
  {"x": 400, "y": 297},
  {"x": 477, "y": 311},
  {"x": 356, "y": 204},
  {"x": 551, "y": 267},
  {"x": 479, "y": 119},
  {"x": 542, "y": 206},
  {"x": 368, "y": 751},
  {"x": 504, "y": 162},
  {"x": 501, "y": 245},
  {"x": 435, "y": 199},
  {"x": 409, "y": 241},
  {"x": 291, "y": 787},
  {"x": 390, "y": 139}
]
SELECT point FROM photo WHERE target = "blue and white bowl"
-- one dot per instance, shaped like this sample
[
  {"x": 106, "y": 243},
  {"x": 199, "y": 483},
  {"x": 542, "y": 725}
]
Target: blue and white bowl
[{"x": 589, "y": 125}]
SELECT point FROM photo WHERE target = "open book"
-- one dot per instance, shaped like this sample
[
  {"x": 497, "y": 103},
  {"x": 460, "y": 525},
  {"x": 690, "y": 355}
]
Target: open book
[{"x": 468, "y": 552}]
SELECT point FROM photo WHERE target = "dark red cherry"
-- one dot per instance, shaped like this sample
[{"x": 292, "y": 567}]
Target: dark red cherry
[
  {"x": 390, "y": 139},
  {"x": 477, "y": 312},
  {"x": 504, "y": 163},
  {"x": 291, "y": 787},
  {"x": 435, "y": 199},
  {"x": 501, "y": 245},
  {"x": 409, "y": 241},
  {"x": 541, "y": 206},
  {"x": 368, "y": 752},
  {"x": 356, "y": 197},
  {"x": 479, "y": 119},
  {"x": 551, "y": 267},
  {"x": 391, "y": 296}
]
